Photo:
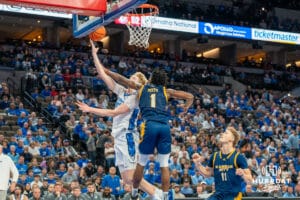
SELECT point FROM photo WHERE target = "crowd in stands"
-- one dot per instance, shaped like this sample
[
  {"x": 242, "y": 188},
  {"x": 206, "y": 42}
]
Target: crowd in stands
[
  {"x": 67, "y": 159},
  {"x": 258, "y": 13},
  {"x": 70, "y": 69}
]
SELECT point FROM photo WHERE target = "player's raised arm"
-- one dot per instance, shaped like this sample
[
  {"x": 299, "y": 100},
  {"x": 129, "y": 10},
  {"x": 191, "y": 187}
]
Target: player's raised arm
[
  {"x": 178, "y": 94},
  {"x": 123, "y": 80},
  {"x": 123, "y": 108},
  {"x": 101, "y": 69}
]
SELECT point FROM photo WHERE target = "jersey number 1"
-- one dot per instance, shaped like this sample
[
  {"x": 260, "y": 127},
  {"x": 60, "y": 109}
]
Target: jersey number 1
[{"x": 153, "y": 100}]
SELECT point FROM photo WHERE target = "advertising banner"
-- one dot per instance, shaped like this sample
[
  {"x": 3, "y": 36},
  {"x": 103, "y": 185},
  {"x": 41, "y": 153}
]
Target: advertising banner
[
  {"x": 275, "y": 36},
  {"x": 224, "y": 30}
]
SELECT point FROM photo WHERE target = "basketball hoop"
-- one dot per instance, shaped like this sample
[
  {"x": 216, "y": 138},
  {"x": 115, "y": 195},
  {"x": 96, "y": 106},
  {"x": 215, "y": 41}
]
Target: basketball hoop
[{"x": 139, "y": 24}]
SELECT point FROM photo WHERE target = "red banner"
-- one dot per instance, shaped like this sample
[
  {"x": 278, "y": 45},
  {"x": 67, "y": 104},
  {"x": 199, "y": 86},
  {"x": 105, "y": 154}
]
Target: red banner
[{"x": 80, "y": 7}]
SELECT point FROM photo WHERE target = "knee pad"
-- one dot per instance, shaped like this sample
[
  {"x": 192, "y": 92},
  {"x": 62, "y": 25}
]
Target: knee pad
[
  {"x": 143, "y": 159},
  {"x": 163, "y": 159}
]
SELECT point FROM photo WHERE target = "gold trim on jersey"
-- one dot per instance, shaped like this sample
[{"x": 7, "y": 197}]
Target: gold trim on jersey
[
  {"x": 239, "y": 196},
  {"x": 214, "y": 159},
  {"x": 235, "y": 158},
  {"x": 165, "y": 93},
  {"x": 227, "y": 156},
  {"x": 141, "y": 91},
  {"x": 143, "y": 126}
]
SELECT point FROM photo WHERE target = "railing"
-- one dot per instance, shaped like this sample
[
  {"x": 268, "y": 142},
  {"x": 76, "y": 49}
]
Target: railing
[
  {"x": 12, "y": 85},
  {"x": 38, "y": 107}
]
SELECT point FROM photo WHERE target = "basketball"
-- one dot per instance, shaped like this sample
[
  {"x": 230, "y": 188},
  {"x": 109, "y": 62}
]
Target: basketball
[{"x": 98, "y": 34}]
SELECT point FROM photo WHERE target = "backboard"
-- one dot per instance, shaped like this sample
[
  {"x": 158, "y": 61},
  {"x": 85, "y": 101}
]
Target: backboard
[{"x": 83, "y": 25}]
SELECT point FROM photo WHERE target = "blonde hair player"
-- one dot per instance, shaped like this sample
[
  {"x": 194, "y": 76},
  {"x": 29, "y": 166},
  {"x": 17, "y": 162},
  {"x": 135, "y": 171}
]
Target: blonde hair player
[
  {"x": 228, "y": 167},
  {"x": 124, "y": 130}
]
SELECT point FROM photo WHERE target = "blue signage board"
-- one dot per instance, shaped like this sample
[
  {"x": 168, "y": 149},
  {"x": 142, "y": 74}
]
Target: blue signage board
[{"x": 224, "y": 30}]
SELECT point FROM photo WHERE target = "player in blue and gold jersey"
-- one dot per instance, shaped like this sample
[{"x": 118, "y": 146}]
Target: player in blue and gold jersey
[
  {"x": 155, "y": 131},
  {"x": 228, "y": 167}
]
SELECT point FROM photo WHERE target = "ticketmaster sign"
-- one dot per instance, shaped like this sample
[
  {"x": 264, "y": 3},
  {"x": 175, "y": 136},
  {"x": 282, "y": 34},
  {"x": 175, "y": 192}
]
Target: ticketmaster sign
[{"x": 275, "y": 36}]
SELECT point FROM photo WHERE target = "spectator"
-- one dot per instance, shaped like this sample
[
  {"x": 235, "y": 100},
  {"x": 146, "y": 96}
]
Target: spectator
[
  {"x": 175, "y": 165},
  {"x": 293, "y": 141},
  {"x": 107, "y": 194},
  {"x": 12, "y": 154},
  {"x": 289, "y": 193},
  {"x": 76, "y": 194},
  {"x": 177, "y": 193},
  {"x": 175, "y": 177},
  {"x": 112, "y": 181},
  {"x": 36, "y": 194},
  {"x": 69, "y": 150},
  {"x": 201, "y": 191},
  {"x": 197, "y": 178},
  {"x": 89, "y": 169},
  {"x": 36, "y": 181},
  {"x": 186, "y": 189},
  {"x": 109, "y": 155},
  {"x": 91, "y": 146},
  {"x": 100, "y": 172},
  {"x": 68, "y": 177},
  {"x": 92, "y": 194},
  {"x": 61, "y": 170},
  {"x": 17, "y": 194},
  {"x": 58, "y": 192}
]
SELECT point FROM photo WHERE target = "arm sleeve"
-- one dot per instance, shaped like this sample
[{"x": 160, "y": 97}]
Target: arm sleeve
[
  {"x": 242, "y": 162},
  {"x": 13, "y": 170}
]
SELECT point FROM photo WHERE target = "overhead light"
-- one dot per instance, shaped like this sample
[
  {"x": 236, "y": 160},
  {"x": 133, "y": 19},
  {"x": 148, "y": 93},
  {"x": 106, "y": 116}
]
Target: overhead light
[
  {"x": 34, "y": 39},
  {"x": 39, "y": 37},
  {"x": 213, "y": 53},
  {"x": 38, "y": 21}
]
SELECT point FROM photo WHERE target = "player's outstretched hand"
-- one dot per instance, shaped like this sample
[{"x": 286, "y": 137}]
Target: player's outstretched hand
[
  {"x": 94, "y": 49},
  {"x": 82, "y": 106},
  {"x": 239, "y": 172},
  {"x": 197, "y": 158}
]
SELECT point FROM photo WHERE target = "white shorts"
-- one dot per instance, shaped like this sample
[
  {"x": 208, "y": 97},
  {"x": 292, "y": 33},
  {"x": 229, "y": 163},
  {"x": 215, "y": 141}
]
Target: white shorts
[{"x": 126, "y": 152}]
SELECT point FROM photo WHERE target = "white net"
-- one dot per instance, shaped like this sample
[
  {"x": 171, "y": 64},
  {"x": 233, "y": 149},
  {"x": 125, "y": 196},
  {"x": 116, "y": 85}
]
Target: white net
[
  {"x": 139, "y": 36},
  {"x": 139, "y": 33}
]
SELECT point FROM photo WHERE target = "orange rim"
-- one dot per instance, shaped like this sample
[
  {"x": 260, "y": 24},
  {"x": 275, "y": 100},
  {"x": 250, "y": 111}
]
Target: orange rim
[{"x": 154, "y": 10}]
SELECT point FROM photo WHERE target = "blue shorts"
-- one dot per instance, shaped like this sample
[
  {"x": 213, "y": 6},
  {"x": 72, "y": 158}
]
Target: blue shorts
[
  {"x": 225, "y": 196},
  {"x": 155, "y": 135}
]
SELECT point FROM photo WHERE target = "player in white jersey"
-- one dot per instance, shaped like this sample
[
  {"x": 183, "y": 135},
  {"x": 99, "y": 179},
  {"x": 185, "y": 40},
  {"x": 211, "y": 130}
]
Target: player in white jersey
[{"x": 124, "y": 131}]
